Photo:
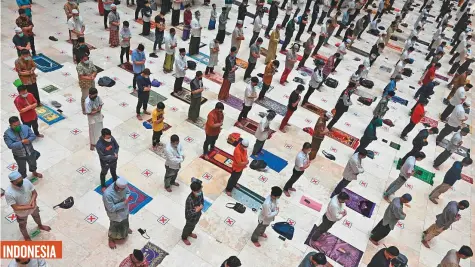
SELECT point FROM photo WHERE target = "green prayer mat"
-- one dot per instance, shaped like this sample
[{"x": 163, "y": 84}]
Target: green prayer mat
[
  {"x": 395, "y": 146},
  {"x": 50, "y": 88},
  {"x": 33, "y": 180},
  {"x": 154, "y": 98},
  {"x": 35, "y": 233},
  {"x": 420, "y": 173}
]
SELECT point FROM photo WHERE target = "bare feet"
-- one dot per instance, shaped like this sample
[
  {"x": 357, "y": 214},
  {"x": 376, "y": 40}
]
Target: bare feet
[
  {"x": 425, "y": 244},
  {"x": 92, "y": 147},
  {"x": 264, "y": 235},
  {"x": 433, "y": 201},
  {"x": 40, "y": 136},
  {"x": 44, "y": 228},
  {"x": 192, "y": 235},
  {"x": 139, "y": 117},
  {"x": 146, "y": 112},
  {"x": 387, "y": 199},
  {"x": 28, "y": 238},
  {"x": 374, "y": 242},
  {"x": 237, "y": 186},
  {"x": 112, "y": 244},
  {"x": 188, "y": 243},
  {"x": 257, "y": 244},
  {"x": 287, "y": 193},
  {"x": 103, "y": 189},
  {"x": 129, "y": 231},
  {"x": 37, "y": 175},
  {"x": 206, "y": 157},
  {"x": 168, "y": 189},
  {"x": 176, "y": 184},
  {"x": 228, "y": 193},
  {"x": 154, "y": 148},
  {"x": 292, "y": 189}
]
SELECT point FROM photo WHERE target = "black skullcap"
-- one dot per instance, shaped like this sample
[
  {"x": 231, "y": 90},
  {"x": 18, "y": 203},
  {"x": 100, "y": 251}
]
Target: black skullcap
[
  {"x": 393, "y": 251},
  {"x": 138, "y": 254}
]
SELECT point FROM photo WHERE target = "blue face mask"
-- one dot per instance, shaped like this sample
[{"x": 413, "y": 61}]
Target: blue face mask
[{"x": 199, "y": 193}]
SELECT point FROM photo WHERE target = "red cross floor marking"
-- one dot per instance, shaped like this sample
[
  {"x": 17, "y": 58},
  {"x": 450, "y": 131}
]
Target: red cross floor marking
[
  {"x": 123, "y": 104},
  {"x": 314, "y": 181},
  {"x": 333, "y": 149},
  {"x": 207, "y": 176},
  {"x": 174, "y": 109},
  {"x": 115, "y": 79},
  {"x": 376, "y": 153},
  {"x": 13, "y": 95},
  {"x": 229, "y": 221},
  {"x": 66, "y": 74},
  {"x": 385, "y": 128},
  {"x": 11, "y": 217},
  {"x": 151, "y": 62},
  {"x": 163, "y": 220},
  {"x": 75, "y": 131},
  {"x": 347, "y": 124},
  {"x": 147, "y": 173},
  {"x": 134, "y": 135},
  {"x": 308, "y": 121},
  {"x": 347, "y": 223},
  {"x": 409, "y": 186},
  {"x": 62, "y": 52},
  {"x": 400, "y": 225},
  {"x": 12, "y": 167},
  {"x": 286, "y": 96},
  {"x": 324, "y": 100},
  {"x": 291, "y": 222},
  {"x": 91, "y": 218},
  {"x": 363, "y": 183},
  {"x": 288, "y": 146},
  {"x": 262, "y": 178},
  {"x": 82, "y": 170},
  {"x": 188, "y": 139},
  {"x": 70, "y": 100}
]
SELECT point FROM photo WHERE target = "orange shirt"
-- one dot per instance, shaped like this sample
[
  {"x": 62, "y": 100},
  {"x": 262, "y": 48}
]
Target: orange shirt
[
  {"x": 213, "y": 118},
  {"x": 268, "y": 74},
  {"x": 240, "y": 156},
  {"x": 418, "y": 114}
]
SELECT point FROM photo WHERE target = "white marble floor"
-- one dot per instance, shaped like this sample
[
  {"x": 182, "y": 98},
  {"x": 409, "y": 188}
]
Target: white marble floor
[{"x": 71, "y": 169}]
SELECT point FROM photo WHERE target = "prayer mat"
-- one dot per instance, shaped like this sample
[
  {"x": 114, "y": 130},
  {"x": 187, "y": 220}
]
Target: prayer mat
[
  {"x": 318, "y": 56},
  {"x": 419, "y": 173},
  {"x": 431, "y": 122},
  {"x": 221, "y": 159},
  {"x": 263, "y": 51},
  {"x": 150, "y": 37},
  {"x": 215, "y": 77},
  {"x": 440, "y": 77},
  {"x": 241, "y": 63},
  {"x": 48, "y": 115},
  {"x": 153, "y": 254},
  {"x": 399, "y": 100},
  {"x": 166, "y": 126},
  {"x": 386, "y": 69},
  {"x": 200, "y": 122},
  {"x": 207, "y": 204},
  {"x": 422, "y": 42},
  {"x": 306, "y": 201},
  {"x": 467, "y": 179},
  {"x": 299, "y": 57},
  {"x": 180, "y": 27},
  {"x": 152, "y": 23},
  {"x": 394, "y": 47},
  {"x": 185, "y": 96},
  {"x": 234, "y": 102},
  {"x": 248, "y": 197},
  {"x": 317, "y": 110},
  {"x": 98, "y": 69},
  {"x": 445, "y": 38},
  {"x": 358, "y": 51},
  {"x": 395, "y": 146},
  {"x": 127, "y": 66},
  {"x": 306, "y": 70},
  {"x": 138, "y": 198},
  {"x": 228, "y": 33},
  {"x": 50, "y": 88},
  {"x": 202, "y": 44},
  {"x": 186, "y": 79},
  {"x": 344, "y": 138},
  {"x": 360, "y": 204},
  {"x": 274, "y": 105},
  {"x": 335, "y": 248},
  {"x": 250, "y": 126},
  {"x": 274, "y": 162},
  {"x": 462, "y": 151},
  {"x": 201, "y": 57},
  {"x": 154, "y": 98},
  {"x": 160, "y": 151},
  {"x": 260, "y": 84},
  {"x": 90, "y": 46},
  {"x": 46, "y": 64}
]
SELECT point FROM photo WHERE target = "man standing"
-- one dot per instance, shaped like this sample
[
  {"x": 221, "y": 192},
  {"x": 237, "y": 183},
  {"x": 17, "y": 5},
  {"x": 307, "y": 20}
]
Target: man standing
[
  {"x": 321, "y": 38},
  {"x": 416, "y": 116},
  {"x": 458, "y": 98},
  {"x": 239, "y": 164},
  {"x": 455, "y": 120},
  {"x": 125, "y": 36},
  {"x": 290, "y": 60},
  {"x": 138, "y": 63},
  {"x": 238, "y": 36},
  {"x": 308, "y": 46},
  {"x": 213, "y": 126},
  {"x": 250, "y": 96},
  {"x": 266, "y": 215},
  {"x": 193, "y": 206},
  {"x": 157, "y": 124},
  {"x": 229, "y": 75},
  {"x": 180, "y": 73},
  {"x": 263, "y": 133},
  {"x": 335, "y": 212},
  {"x": 256, "y": 28},
  {"x": 107, "y": 6},
  {"x": 382, "y": 106},
  {"x": 369, "y": 134},
  {"x": 195, "y": 34},
  {"x": 407, "y": 170},
  {"x": 68, "y": 8},
  {"x": 25, "y": 5},
  {"x": 459, "y": 80},
  {"x": 269, "y": 71},
  {"x": 86, "y": 74},
  {"x": 26, "y": 103},
  {"x": 294, "y": 100},
  {"x": 18, "y": 138},
  {"x": 76, "y": 27},
  {"x": 108, "y": 150},
  {"x": 93, "y": 107},
  {"x": 174, "y": 157},
  {"x": 114, "y": 23},
  {"x": 302, "y": 24},
  {"x": 314, "y": 259},
  {"x": 273, "y": 43},
  {"x": 143, "y": 93},
  {"x": 254, "y": 54},
  {"x": 452, "y": 146},
  {"x": 343, "y": 103},
  {"x": 159, "y": 30},
  {"x": 213, "y": 56},
  {"x": 352, "y": 169},
  {"x": 21, "y": 41},
  {"x": 316, "y": 80},
  {"x": 25, "y": 67},
  {"x": 452, "y": 258},
  {"x": 302, "y": 162},
  {"x": 170, "y": 46},
  {"x": 384, "y": 256},
  {"x": 116, "y": 202},
  {"x": 394, "y": 213},
  {"x": 196, "y": 86},
  {"x": 222, "y": 26},
  {"x": 289, "y": 32},
  {"x": 21, "y": 196},
  {"x": 273, "y": 14},
  {"x": 451, "y": 176},
  {"x": 443, "y": 221},
  {"x": 319, "y": 133},
  {"x": 24, "y": 22},
  {"x": 420, "y": 141}
]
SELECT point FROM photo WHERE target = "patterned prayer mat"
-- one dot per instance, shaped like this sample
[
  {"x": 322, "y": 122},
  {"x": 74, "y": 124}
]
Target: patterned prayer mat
[
  {"x": 315, "y": 109},
  {"x": 358, "y": 51},
  {"x": 250, "y": 126},
  {"x": 138, "y": 198},
  {"x": 127, "y": 67},
  {"x": 321, "y": 57},
  {"x": 431, "y": 122},
  {"x": 260, "y": 84},
  {"x": 46, "y": 64},
  {"x": 441, "y": 77},
  {"x": 420, "y": 173},
  {"x": 215, "y": 77},
  {"x": 150, "y": 37},
  {"x": 248, "y": 197},
  {"x": 200, "y": 122},
  {"x": 335, "y": 248},
  {"x": 166, "y": 126},
  {"x": 50, "y": 88},
  {"x": 234, "y": 102},
  {"x": 306, "y": 70},
  {"x": 152, "y": 23},
  {"x": 462, "y": 151},
  {"x": 154, "y": 98},
  {"x": 274, "y": 105},
  {"x": 394, "y": 47},
  {"x": 221, "y": 159},
  {"x": 344, "y": 138},
  {"x": 386, "y": 69},
  {"x": 241, "y": 63},
  {"x": 160, "y": 151},
  {"x": 299, "y": 57},
  {"x": 467, "y": 178},
  {"x": 360, "y": 204},
  {"x": 154, "y": 254},
  {"x": 185, "y": 96},
  {"x": 201, "y": 57},
  {"x": 48, "y": 115}
]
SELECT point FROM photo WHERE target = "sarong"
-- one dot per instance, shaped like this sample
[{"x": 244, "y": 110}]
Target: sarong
[
  {"x": 168, "y": 63},
  {"x": 119, "y": 230},
  {"x": 114, "y": 38},
  {"x": 95, "y": 127},
  {"x": 224, "y": 91}
]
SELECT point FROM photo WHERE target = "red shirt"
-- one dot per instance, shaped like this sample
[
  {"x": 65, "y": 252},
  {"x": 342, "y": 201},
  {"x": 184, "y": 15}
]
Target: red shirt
[
  {"x": 213, "y": 118},
  {"x": 430, "y": 75},
  {"x": 418, "y": 114},
  {"x": 240, "y": 156},
  {"x": 21, "y": 103}
]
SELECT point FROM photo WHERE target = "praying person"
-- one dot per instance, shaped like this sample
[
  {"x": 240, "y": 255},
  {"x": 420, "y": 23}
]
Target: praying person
[
  {"x": 176, "y": 6},
  {"x": 26, "y": 25},
  {"x": 269, "y": 71},
  {"x": 170, "y": 47},
  {"x": 343, "y": 103},
  {"x": 95, "y": 118},
  {"x": 237, "y": 36},
  {"x": 86, "y": 74},
  {"x": 181, "y": 66},
  {"x": 316, "y": 80},
  {"x": 319, "y": 132},
  {"x": 146, "y": 16},
  {"x": 263, "y": 132},
  {"x": 26, "y": 104},
  {"x": 456, "y": 119},
  {"x": 420, "y": 141},
  {"x": 196, "y": 86},
  {"x": 25, "y": 66},
  {"x": 114, "y": 23},
  {"x": 158, "y": 122},
  {"x": 222, "y": 26},
  {"x": 135, "y": 259},
  {"x": 321, "y": 38},
  {"x": 416, "y": 116},
  {"x": 385, "y": 255},
  {"x": 274, "y": 40},
  {"x": 138, "y": 63},
  {"x": 459, "y": 97},
  {"x": 290, "y": 60},
  {"x": 308, "y": 46},
  {"x": 193, "y": 206},
  {"x": 453, "y": 145},
  {"x": 213, "y": 127},
  {"x": 302, "y": 162},
  {"x": 76, "y": 27},
  {"x": 267, "y": 215},
  {"x": 213, "y": 56},
  {"x": 254, "y": 54},
  {"x": 229, "y": 75},
  {"x": 453, "y": 257},
  {"x": 108, "y": 150},
  {"x": 250, "y": 95},
  {"x": 451, "y": 176},
  {"x": 159, "y": 31},
  {"x": 232, "y": 261},
  {"x": 292, "y": 105},
  {"x": 195, "y": 34},
  {"x": 335, "y": 212},
  {"x": 352, "y": 169},
  {"x": 144, "y": 86},
  {"x": 21, "y": 41},
  {"x": 240, "y": 162},
  {"x": 382, "y": 106},
  {"x": 174, "y": 156},
  {"x": 314, "y": 259},
  {"x": 125, "y": 36},
  {"x": 369, "y": 134}
]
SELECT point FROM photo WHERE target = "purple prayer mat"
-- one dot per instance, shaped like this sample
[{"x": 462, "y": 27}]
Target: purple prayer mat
[
  {"x": 234, "y": 102},
  {"x": 360, "y": 204},
  {"x": 307, "y": 70},
  {"x": 443, "y": 78},
  {"x": 335, "y": 248}
]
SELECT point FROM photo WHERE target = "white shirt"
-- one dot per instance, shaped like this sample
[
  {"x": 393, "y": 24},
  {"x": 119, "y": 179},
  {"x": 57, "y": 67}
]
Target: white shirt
[
  {"x": 456, "y": 117},
  {"x": 262, "y": 132},
  {"x": 248, "y": 99},
  {"x": 342, "y": 50},
  {"x": 323, "y": 29},
  {"x": 257, "y": 24},
  {"x": 316, "y": 79},
  {"x": 458, "y": 96},
  {"x": 169, "y": 42},
  {"x": 326, "y": 5},
  {"x": 174, "y": 156},
  {"x": 398, "y": 69},
  {"x": 180, "y": 64},
  {"x": 268, "y": 212},
  {"x": 437, "y": 33},
  {"x": 454, "y": 142},
  {"x": 373, "y": 25},
  {"x": 75, "y": 24},
  {"x": 32, "y": 263},
  {"x": 300, "y": 160},
  {"x": 335, "y": 209},
  {"x": 20, "y": 196},
  {"x": 404, "y": 55},
  {"x": 408, "y": 44},
  {"x": 195, "y": 28},
  {"x": 408, "y": 167}
]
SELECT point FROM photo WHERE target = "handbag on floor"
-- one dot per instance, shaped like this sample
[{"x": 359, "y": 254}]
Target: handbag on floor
[
  {"x": 394, "y": 38},
  {"x": 367, "y": 83},
  {"x": 66, "y": 204},
  {"x": 240, "y": 208},
  {"x": 258, "y": 165},
  {"x": 407, "y": 72},
  {"x": 400, "y": 261},
  {"x": 284, "y": 229},
  {"x": 191, "y": 64},
  {"x": 332, "y": 83}
]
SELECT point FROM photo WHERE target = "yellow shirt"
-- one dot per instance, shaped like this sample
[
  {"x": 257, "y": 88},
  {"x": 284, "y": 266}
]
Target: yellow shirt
[{"x": 157, "y": 114}]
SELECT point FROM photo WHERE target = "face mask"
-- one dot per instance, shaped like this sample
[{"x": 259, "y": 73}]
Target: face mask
[
  {"x": 20, "y": 34},
  {"x": 199, "y": 194},
  {"x": 24, "y": 95},
  {"x": 27, "y": 58},
  {"x": 19, "y": 184},
  {"x": 86, "y": 61},
  {"x": 108, "y": 139},
  {"x": 17, "y": 128},
  {"x": 93, "y": 98}
]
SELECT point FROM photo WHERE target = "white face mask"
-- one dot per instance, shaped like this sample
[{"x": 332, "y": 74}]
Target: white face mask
[
  {"x": 108, "y": 139},
  {"x": 24, "y": 95},
  {"x": 86, "y": 61}
]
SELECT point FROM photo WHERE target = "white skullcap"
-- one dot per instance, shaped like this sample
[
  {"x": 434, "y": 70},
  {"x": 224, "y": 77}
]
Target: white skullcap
[
  {"x": 245, "y": 142},
  {"x": 121, "y": 182},
  {"x": 113, "y": 5},
  {"x": 467, "y": 103},
  {"x": 239, "y": 22},
  {"x": 75, "y": 11},
  {"x": 14, "y": 176},
  {"x": 329, "y": 115},
  {"x": 18, "y": 29}
]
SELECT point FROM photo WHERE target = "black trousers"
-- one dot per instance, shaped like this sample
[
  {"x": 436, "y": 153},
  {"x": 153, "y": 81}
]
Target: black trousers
[
  {"x": 339, "y": 112},
  {"x": 33, "y": 89},
  {"x": 258, "y": 147},
  {"x": 253, "y": 38},
  {"x": 158, "y": 40},
  {"x": 142, "y": 101},
  {"x": 175, "y": 17},
  {"x": 22, "y": 161},
  {"x": 452, "y": 59},
  {"x": 294, "y": 178},
  {"x": 32, "y": 124},
  {"x": 208, "y": 70},
  {"x": 188, "y": 229},
  {"x": 146, "y": 28},
  {"x": 321, "y": 39},
  {"x": 106, "y": 16},
  {"x": 312, "y": 23},
  {"x": 220, "y": 36},
  {"x": 454, "y": 68},
  {"x": 308, "y": 94},
  {"x": 156, "y": 137},
  {"x": 322, "y": 17},
  {"x": 178, "y": 86},
  {"x": 124, "y": 51},
  {"x": 210, "y": 141},
  {"x": 299, "y": 33},
  {"x": 447, "y": 111},
  {"x": 337, "y": 62},
  {"x": 303, "y": 60},
  {"x": 442, "y": 157},
  {"x": 250, "y": 68},
  {"x": 322, "y": 228},
  {"x": 364, "y": 143},
  {"x": 105, "y": 167},
  {"x": 245, "y": 110},
  {"x": 431, "y": 54},
  {"x": 340, "y": 29},
  {"x": 233, "y": 180},
  {"x": 137, "y": 11},
  {"x": 408, "y": 128},
  {"x": 269, "y": 27},
  {"x": 283, "y": 5},
  {"x": 263, "y": 91},
  {"x": 134, "y": 80},
  {"x": 445, "y": 131},
  {"x": 380, "y": 231},
  {"x": 412, "y": 152},
  {"x": 286, "y": 42},
  {"x": 286, "y": 19},
  {"x": 32, "y": 44},
  {"x": 339, "y": 187}
]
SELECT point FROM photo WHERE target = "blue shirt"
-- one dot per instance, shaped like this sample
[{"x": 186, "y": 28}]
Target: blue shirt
[
  {"x": 453, "y": 174},
  {"x": 138, "y": 56},
  {"x": 143, "y": 82},
  {"x": 390, "y": 87},
  {"x": 25, "y": 3}
]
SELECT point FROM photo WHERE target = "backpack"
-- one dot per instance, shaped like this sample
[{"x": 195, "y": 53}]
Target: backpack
[
  {"x": 258, "y": 165},
  {"x": 66, "y": 204},
  {"x": 407, "y": 72},
  {"x": 240, "y": 208},
  {"x": 156, "y": 83},
  {"x": 400, "y": 261},
  {"x": 106, "y": 82},
  {"x": 284, "y": 229},
  {"x": 233, "y": 138},
  {"x": 367, "y": 83},
  {"x": 332, "y": 83},
  {"x": 394, "y": 38},
  {"x": 365, "y": 101},
  {"x": 191, "y": 64}
]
